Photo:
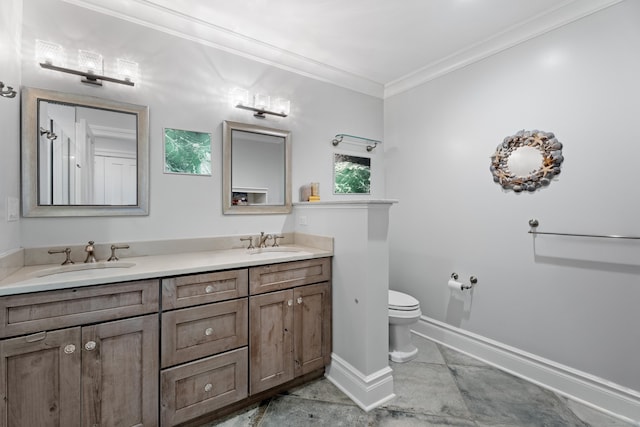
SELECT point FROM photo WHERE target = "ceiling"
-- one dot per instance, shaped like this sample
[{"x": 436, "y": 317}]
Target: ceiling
[{"x": 372, "y": 46}]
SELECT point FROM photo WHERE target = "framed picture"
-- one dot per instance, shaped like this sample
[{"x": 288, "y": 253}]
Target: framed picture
[
  {"x": 187, "y": 152},
  {"x": 351, "y": 174}
]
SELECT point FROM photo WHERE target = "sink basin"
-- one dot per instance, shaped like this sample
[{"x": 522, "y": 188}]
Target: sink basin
[
  {"x": 82, "y": 267},
  {"x": 278, "y": 250}
]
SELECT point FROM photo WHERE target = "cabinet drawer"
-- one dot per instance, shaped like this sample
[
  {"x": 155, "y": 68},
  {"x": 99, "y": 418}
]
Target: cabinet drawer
[
  {"x": 275, "y": 277},
  {"x": 196, "y": 388},
  {"x": 191, "y": 333},
  {"x": 42, "y": 311},
  {"x": 196, "y": 289}
]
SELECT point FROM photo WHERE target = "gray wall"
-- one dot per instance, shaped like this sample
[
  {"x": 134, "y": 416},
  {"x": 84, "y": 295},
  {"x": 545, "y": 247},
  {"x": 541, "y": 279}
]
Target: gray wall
[
  {"x": 573, "y": 301},
  {"x": 185, "y": 85},
  {"x": 10, "y": 18}
]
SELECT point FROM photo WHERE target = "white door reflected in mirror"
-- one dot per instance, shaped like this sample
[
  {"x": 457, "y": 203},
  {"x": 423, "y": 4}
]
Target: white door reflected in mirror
[{"x": 87, "y": 156}]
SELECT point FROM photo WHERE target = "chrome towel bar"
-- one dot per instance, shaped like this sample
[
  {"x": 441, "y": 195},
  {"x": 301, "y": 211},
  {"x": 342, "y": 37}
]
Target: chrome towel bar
[{"x": 533, "y": 223}]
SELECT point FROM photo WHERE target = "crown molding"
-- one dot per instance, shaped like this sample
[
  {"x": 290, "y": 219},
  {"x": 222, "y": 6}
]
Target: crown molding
[
  {"x": 565, "y": 13},
  {"x": 169, "y": 21}
]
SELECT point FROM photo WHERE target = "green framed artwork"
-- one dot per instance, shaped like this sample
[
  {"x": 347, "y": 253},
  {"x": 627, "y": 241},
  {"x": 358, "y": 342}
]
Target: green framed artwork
[
  {"x": 351, "y": 174},
  {"x": 187, "y": 152}
]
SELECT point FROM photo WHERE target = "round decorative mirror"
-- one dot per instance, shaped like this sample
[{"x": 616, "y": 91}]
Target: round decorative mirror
[{"x": 527, "y": 160}]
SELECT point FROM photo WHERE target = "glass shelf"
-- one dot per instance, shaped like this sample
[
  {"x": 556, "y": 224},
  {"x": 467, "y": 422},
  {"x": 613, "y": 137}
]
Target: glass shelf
[{"x": 371, "y": 143}]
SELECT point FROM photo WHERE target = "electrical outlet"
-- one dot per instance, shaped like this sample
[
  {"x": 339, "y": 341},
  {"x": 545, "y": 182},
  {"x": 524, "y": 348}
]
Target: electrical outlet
[
  {"x": 302, "y": 220},
  {"x": 13, "y": 209}
]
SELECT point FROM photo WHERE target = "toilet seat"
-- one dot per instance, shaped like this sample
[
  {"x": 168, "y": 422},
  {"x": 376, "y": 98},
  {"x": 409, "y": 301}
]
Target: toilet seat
[
  {"x": 402, "y": 302},
  {"x": 404, "y": 312}
]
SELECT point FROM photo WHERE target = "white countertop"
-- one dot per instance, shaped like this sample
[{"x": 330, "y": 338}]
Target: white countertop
[{"x": 147, "y": 267}]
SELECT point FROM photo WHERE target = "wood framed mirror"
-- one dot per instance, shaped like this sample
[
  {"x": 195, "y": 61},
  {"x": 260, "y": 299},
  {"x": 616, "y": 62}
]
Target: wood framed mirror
[
  {"x": 83, "y": 156},
  {"x": 256, "y": 170}
]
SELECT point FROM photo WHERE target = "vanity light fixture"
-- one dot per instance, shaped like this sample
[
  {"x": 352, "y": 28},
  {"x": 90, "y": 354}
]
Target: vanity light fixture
[
  {"x": 262, "y": 104},
  {"x": 51, "y": 56}
]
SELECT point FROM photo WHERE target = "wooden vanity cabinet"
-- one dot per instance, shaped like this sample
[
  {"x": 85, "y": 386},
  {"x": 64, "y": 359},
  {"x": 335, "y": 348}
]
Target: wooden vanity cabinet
[
  {"x": 91, "y": 372},
  {"x": 204, "y": 344},
  {"x": 290, "y": 329},
  {"x": 198, "y": 344}
]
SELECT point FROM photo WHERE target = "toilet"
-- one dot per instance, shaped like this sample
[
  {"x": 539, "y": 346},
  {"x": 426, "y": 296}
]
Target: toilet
[{"x": 404, "y": 311}]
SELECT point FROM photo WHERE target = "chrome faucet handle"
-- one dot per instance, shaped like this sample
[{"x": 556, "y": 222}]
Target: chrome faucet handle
[
  {"x": 66, "y": 251},
  {"x": 275, "y": 240},
  {"x": 113, "y": 256},
  {"x": 89, "y": 250},
  {"x": 248, "y": 239}
]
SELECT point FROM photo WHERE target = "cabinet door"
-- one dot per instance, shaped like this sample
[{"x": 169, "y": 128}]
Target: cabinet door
[
  {"x": 312, "y": 325},
  {"x": 40, "y": 379},
  {"x": 120, "y": 373},
  {"x": 271, "y": 340}
]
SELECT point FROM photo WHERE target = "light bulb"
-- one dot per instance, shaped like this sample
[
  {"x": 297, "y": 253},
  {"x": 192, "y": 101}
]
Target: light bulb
[
  {"x": 261, "y": 101},
  {"x": 282, "y": 106},
  {"x": 49, "y": 53},
  {"x": 238, "y": 96},
  {"x": 127, "y": 70},
  {"x": 90, "y": 61}
]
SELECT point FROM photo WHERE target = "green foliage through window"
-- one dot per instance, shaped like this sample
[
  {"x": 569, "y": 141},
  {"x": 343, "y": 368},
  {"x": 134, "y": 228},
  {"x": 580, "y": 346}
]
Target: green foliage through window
[
  {"x": 352, "y": 174},
  {"x": 187, "y": 152}
]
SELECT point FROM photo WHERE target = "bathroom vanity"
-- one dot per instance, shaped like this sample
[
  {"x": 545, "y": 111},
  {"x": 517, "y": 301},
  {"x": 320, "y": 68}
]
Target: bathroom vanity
[{"x": 150, "y": 346}]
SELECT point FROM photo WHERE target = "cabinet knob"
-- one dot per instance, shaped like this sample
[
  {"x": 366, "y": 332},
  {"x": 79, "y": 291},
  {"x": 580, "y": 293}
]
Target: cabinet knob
[
  {"x": 208, "y": 289},
  {"x": 290, "y": 302},
  {"x": 69, "y": 348},
  {"x": 208, "y": 387},
  {"x": 208, "y": 331},
  {"x": 91, "y": 345},
  {"x": 299, "y": 300}
]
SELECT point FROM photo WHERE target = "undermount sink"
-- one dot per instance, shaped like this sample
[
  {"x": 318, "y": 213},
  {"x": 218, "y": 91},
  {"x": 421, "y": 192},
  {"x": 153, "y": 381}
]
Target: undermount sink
[
  {"x": 83, "y": 267},
  {"x": 276, "y": 250}
]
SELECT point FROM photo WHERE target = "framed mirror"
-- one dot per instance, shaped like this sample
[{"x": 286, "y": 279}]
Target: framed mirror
[
  {"x": 256, "y": 170},
  {"x": 527, "y": 161},
  {"x": 83, "y": 156}
]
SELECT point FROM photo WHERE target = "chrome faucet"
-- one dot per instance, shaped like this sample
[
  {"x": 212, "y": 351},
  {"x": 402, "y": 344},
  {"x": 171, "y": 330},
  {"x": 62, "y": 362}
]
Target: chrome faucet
[
  {"x": 90, "y": 255},
  {"x": 262, "y": 242}
]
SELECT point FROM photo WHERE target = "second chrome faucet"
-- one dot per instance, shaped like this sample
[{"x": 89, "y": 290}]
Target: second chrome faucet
[{"x": 262, "y": 240}]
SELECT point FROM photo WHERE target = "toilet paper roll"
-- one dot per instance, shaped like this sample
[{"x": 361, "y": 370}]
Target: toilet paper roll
[{"x": 454, "y": 284}]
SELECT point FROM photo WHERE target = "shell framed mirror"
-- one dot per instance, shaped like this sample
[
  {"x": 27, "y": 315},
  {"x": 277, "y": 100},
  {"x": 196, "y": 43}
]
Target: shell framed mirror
[{"x": 527, "y": 161}]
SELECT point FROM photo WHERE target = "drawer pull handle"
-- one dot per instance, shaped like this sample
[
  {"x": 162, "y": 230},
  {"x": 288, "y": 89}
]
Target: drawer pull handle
[
  {"x": 290, "y": 302},
  {"x": 299, "y": 300},
  {"x": 69, "y": 348},
  {"x": 91, "y": 345},
  {"x": 36, "y": 337},
  {"x": 208, "y": 289},
  {"x": 208, "y": 331},
  {"x": 208, "y": 387}
]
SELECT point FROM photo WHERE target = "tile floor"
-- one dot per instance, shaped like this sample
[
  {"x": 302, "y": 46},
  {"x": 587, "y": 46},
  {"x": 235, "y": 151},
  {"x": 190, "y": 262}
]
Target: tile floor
[{"x": 440, "y": 387}]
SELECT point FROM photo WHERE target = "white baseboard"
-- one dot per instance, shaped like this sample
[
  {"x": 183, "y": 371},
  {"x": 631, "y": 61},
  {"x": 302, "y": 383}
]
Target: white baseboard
[
  {"x": 603, "y": 395},
  {"x": 367, "y": 391}
]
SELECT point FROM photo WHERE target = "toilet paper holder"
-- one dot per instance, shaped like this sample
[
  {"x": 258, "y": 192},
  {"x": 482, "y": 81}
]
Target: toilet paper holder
[{"x": 472, "y": 281}]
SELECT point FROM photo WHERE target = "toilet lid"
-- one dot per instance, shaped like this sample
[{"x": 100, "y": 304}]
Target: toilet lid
[{"x": 400, "y": 301}]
